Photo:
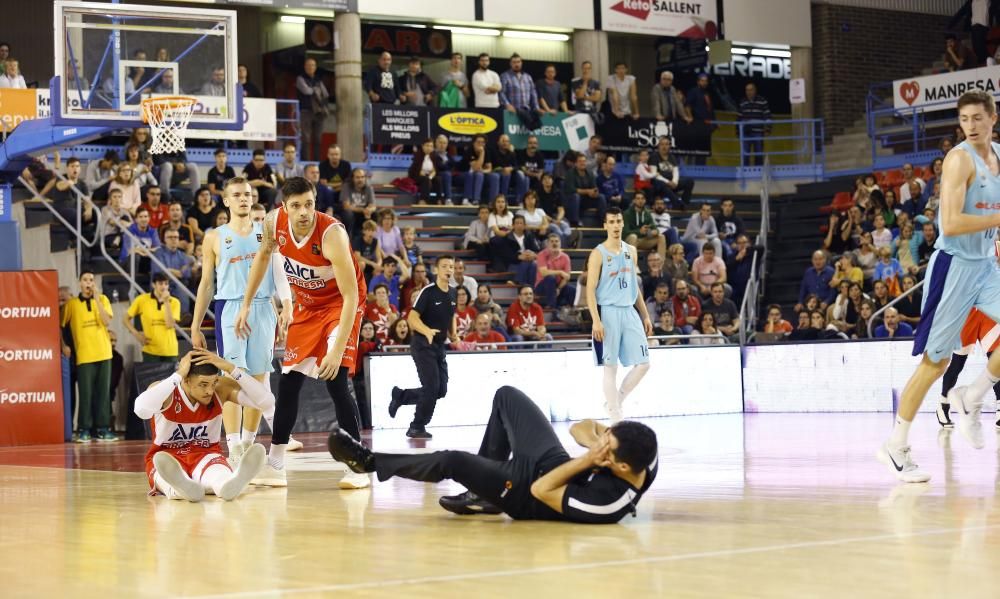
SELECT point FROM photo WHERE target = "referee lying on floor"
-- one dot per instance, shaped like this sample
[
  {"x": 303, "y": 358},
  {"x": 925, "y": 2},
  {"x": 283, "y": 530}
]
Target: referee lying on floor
[{"x": 540, "y": 481}]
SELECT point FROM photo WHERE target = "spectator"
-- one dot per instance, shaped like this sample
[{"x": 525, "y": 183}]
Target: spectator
[
  {"x": 379, "y": 82},
  {"x": 687, "y": 308},
  {"x": 552, "y": 282},
  {"x": 449, "y": 163},
  {"x": 755, "y": 109},
  {"x": 888, "y": 269},
  {"x": 456, "y": 78},
  {"x": 905, "y": 250},
  {"x": 909, "y": 305},
  {"x": 460, "y": 279},
  {"x": 126, "y": 184},
  {"x": 551, "y": 98},
  {"x": 958, "y": 56},
  {"x": 65, "y": 194},
  {"x": 486, "y": 85},
  {"x": 706, "y": 333},
  {"x": 727, "y": 315},
  {"x": 177, "y": 263},
  {"x": 663, "y": 224},
  {"x": 910, "y": 190},
  {"x": 730, "y": 225},
  {"x": 659, "y": 301},
  {"x": 816, "y": 280},
  {"x": 221, "y": 218},
  {"x": 414, "y": 87},
  {"x": 585, "y": 92},
  {"x": 640, "y": 230},
  {"x": 503, "y": 159},
  {"x": 670, "y": 183},
  {"x": 593, "y": 154},
  {"x": 478, "y": 161},
  {"x": 411, "y": 253},
  {"x": 243, "y": 77},
  {"x": 838, "y": 233},
  {"x": 390, "y": 278},
  {"x": 140, "y": 164},
  {"x": 424, "y": 171},
  {"x": 551, "y": 201},
  {"x": 891, "y": 326},
  {"x": 622, "y": 97},
  {"x": 519, "y": 94},
  {"x": 580, "y": 184},
  {"x": 166, "y": 85},
  {"x": 668, "y": 101},
  {"x": 465, "y": 314},
  {"x": 201, "y": 216},
  {"x": 700, "y": 104},
  {"x": 701, "y": 230},
  {"x": 260, "y": 176},
  {"x": 175, "y": 222},
  {"x": 328, "y": 202},
  {"x": 382, "y": 313},
  {"x": 484, "y": 304},
  {"x": 532, "y": 163},
  {"x": 880, "y": 295},
  {"x": 739, "y": 267},
  {"x": 4, "y": 56},
  {"x": 518, "y": 252},
  {"x": 417, "y": 282},
  {"x": 708, "y": 269},
  {"x": 665, "y": 327},
  {"x": 158, "y": 314},
  {"x": 116, "y": 219},
  {"x": 216, "y": 86},
  {"x": 776, "y": 324},
  {"x": 11, "y": 77},
  {"x": 483, "y": 335},
  {"x": 87, "y": 316},
  {"x": 654, "y": 275},
  {"x": 535, "y": 219},
  {"x": 881, "y": 236},
  {"x": 100, "y": 173},
  {"x": 610, "y": 184},
  {"x": 477, "y": 236},
  {"x": 220, "y": 173},
  {"x": 389, "y": 237},
  {"x": 500, "y": 223},
  {"x": 400, "y": 334},
  {"x": 864, "y": 315},
  {"x": 676, "y": 265},
  {"x": 367, "y": 250},
  {"x": 288, "y": 167},
  {"x": 525, "y": 318},
  {"x": 367, "y": 343},
  {"x": 847, "y": 269},
  {"x": 866, "y": 256}
]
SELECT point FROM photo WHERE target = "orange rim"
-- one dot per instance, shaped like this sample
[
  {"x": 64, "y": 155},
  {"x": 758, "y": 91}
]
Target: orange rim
[{"x": 157, "y": 105}]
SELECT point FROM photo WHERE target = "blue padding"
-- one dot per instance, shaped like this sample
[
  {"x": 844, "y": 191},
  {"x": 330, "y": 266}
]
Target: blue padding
[{"x": 10, "y": 246}]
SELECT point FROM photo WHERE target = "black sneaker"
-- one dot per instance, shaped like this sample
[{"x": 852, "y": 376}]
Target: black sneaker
[
  {"x": 944, "y": 416},
  {"x": 106, "y": 436},
  {"x": 467, "y": 504},
  {"x": 418, "y": 433},
  {"x": 395, "y": 402},
  {"x": 345, "y": 448}
]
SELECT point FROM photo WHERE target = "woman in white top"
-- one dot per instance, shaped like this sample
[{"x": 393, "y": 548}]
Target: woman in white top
[
  {"x": 621, "y": 93},
  {"x": 535, "y": 218},
  {"x": 12, "y": 75},
  {"x": 501, "y": 223},
  {"x": 126, "y": 182}
]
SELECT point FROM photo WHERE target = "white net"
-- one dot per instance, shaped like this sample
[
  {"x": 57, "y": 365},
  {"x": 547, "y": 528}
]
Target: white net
[{"x": 168, "y": 120}]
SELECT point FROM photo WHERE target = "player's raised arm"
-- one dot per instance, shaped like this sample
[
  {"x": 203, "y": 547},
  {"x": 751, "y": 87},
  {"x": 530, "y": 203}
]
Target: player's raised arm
[
  {"x": 261, "y": 267},
  {"x": 593, "y": 278},
  {"x": 337, "y": 249}
]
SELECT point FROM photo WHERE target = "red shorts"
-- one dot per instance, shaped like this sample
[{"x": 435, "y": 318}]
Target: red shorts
[
  {"x": 312, "y": 333},
  {"x": 194, "y": 463},
  {"x": 977, "y": 327}
]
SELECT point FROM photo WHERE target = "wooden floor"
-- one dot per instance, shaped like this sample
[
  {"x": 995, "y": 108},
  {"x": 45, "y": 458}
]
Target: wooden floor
[{"x": 744, "y": 506}]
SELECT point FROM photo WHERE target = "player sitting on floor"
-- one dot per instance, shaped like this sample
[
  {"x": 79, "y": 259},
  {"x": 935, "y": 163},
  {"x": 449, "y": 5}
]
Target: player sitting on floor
[{"x": 185, "y": 460}]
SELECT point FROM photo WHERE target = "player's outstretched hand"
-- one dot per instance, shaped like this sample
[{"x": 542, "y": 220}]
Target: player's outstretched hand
[
  {"x": 201, "y": 356},
  {"x": 597, "y": 331},
  {"x": 242, "y": 326}
]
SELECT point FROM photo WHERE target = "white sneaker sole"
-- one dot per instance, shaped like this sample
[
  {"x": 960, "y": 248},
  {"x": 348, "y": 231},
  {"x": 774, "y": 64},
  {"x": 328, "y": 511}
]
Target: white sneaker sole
[
  {"x": 250, "y": 466},
  {"x": 293, "y": 445},
  {"x": 967, "y": 425},
  {"x": 170, "y": 470},
  {"x": 268, "y": 480},
  {"x": 355, "y": 481},
  {"x": 883, "y": 456}
]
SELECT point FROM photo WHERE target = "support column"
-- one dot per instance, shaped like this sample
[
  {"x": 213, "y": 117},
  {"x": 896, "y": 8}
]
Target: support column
[
  {"x": 350, "y": 97},
  {"x": 593, "y": 46},
  {"x": 802, "y": 68}
]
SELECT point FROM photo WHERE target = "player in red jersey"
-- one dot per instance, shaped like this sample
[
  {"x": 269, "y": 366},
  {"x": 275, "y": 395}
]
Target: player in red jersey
[
  {"x": 330, "y": 294},
  {"x": 185, "y": 412},
  {"x": 978, "y": 327}
]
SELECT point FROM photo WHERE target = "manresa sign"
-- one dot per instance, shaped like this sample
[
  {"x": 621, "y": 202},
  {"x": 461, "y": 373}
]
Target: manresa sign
[
  {"x": 694, "y": 18},
  {"x": 940, "y": 92}
]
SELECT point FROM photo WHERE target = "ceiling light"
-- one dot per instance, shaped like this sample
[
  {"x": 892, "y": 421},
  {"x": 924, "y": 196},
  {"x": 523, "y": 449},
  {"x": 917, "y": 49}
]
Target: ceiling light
[
  {"x": 537, "y": 35},
  {"x": 470, "y": 30},
  {"x": 740, "y": 51},
  {"x": 774, "y": 53},
  {"x": 293, "y": 19}
]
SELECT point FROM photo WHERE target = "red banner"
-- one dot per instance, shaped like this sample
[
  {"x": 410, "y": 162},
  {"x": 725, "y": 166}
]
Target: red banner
[{"x": 31, "y": 401}]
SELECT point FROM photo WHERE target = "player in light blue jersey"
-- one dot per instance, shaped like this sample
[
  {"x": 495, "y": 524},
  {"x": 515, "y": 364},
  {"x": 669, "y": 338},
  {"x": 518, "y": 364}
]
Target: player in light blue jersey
[
  {"x": 614, "y": 294},
  {"x": 961, "y": 275},
  {"x": 227, "y": 254}
]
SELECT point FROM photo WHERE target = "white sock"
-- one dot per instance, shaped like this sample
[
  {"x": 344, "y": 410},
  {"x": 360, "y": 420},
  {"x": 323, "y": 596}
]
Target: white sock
[
  {"x": 214, "y": 477},
  {"x": 276, "y": 457},
  {"x": 232, "y": 439},
  {"x": 248, "y": 437},
  {"x": 632, "y": 380},
  {"x": 900, "y": 433},
  {"x": 269, "y": 414},
  {"x": 610, "y": 385},
  {"x": 978, "y": 389}
]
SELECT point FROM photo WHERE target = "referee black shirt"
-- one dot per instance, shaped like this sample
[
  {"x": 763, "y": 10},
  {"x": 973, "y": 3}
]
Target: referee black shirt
[{"x": 436, "y": 309}]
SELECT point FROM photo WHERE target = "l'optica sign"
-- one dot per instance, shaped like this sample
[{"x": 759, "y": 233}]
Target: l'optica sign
[{"x": 467, "y": 123}]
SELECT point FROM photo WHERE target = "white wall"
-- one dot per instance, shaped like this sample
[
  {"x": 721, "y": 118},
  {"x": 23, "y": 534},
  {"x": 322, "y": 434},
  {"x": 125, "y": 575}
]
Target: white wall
[
  {"x": 768, "y": 21},
  {"x": 451, "y": 10},
  {"x": 573, "y": 14}
]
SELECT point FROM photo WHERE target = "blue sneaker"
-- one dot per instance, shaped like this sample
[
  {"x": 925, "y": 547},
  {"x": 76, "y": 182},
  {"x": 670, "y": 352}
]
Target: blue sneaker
[
  {"x": 83, "y": 437},
  {"x": 106, "y": 436}
]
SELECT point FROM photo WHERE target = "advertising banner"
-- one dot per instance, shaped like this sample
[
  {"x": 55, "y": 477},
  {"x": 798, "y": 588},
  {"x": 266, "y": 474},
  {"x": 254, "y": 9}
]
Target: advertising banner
[
  {"x": 940, "y": 92},
  {"x": 632, "y": 135},
  {"x": 405, "y": 41},
  {"x": 461, "y": 125},
  {"x": 31, "y": 399},
  {"x": 16, "y": 106},
  {"x": 558, "y": 133},
  {"x": 410, "y": 125},
  {"x": 692, "y": 18}
]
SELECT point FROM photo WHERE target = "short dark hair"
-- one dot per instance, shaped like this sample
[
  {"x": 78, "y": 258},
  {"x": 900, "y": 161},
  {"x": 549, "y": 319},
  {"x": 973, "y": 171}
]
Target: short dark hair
[
  {"x": 611, "y": 212},
  {"x": 389, "y": 260},
  {"x": 978, "y": 97},
  {"x": 219, "y": 151},
  {"x": 295, "y": 186},
  {"x": 454, "y": 54},
  {"x": 85, "y": 271},
  {"x": 523, "y": 287},
  {"x": 636, "y": 444},
  {"x": 72, "y": 160},
  {"x": 201, "y": 189},
  {"x": 773, "y": 307},
  {"x": 482, "y": 54},
  {"x": 442, "y": 258},
  {"x": 140, "y": 210},
  {"x": 204, "y": 369},
  {"x": 414, "y": 59},
  {"x": 111, "y": 155},
  {"x": 258, "y": 152},
  {"x": 381, "y": 286},
  {"x": 175, "y": 201},
  {"x": 258, "y": 206},
  {"x": 160, "y": 278},
  {"x": 717, "y": 284},
  {"x": 707, "y": 247},
  {"x": 515, "y": 55},
  {"x": 516, "y": 217}
]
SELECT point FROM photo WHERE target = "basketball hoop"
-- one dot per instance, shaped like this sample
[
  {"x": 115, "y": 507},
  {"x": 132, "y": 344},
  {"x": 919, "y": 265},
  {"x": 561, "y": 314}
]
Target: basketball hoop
[{"x": 168, "y": 118}]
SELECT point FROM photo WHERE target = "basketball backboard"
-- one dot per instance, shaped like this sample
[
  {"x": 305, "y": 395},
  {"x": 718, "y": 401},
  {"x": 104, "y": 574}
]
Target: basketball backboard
[{"x": 108, "y": 57}]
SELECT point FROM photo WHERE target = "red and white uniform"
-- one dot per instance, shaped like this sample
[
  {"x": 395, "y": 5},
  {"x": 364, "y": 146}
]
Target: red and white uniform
[
  {"x": 382, "y": 318},
  {"x": 980, "y": 327},
  {"x": 190, "y": 432},
  {"x": 317, "y": 298},
  {"x": 465, "y": 319}
]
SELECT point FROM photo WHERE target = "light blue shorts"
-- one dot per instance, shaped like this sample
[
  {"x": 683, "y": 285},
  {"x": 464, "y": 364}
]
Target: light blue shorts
[
  {"x": 253, "y": 354},
  {"x": 952, "y": 287},
  {"x": 624, "y": 338}
]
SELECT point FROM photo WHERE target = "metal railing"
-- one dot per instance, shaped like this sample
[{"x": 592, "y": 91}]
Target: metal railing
[
  {"x": 758, "y": 267},
  {"x": 896, "y": 300},
  {"x": 586, "y": 343}
]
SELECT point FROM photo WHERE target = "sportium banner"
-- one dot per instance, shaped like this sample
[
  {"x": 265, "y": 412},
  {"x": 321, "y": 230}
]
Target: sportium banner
[
  {"x": 31, "y": 401},
  {"x": 692, "y": 18},
  {"x": 558, "y": 133},
  {"x": 940, "y": 92},
  {"x": 411, "y": 125},
  {"x": 628, "y": 135}
]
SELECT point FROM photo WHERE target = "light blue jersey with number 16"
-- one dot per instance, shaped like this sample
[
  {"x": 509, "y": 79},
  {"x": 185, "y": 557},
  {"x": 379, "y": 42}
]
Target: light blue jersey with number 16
[{"x": 618, "y": 285}]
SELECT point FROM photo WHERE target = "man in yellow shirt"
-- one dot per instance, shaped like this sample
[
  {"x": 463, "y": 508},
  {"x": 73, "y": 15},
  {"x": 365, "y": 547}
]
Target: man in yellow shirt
[
  {"x": 87, "y": 316},
  {"x": 158, "y": 312}
]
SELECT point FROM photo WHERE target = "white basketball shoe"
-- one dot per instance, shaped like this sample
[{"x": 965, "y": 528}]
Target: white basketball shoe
[
  {"x": 970, "y": 422},
  {"x": 901, "y": 464}
]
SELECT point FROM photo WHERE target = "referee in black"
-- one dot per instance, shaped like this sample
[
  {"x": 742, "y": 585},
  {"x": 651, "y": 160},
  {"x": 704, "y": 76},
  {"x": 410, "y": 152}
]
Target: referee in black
[
  {"x": 432, "y": 320},
  {"x": 523, "y": 470}
]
